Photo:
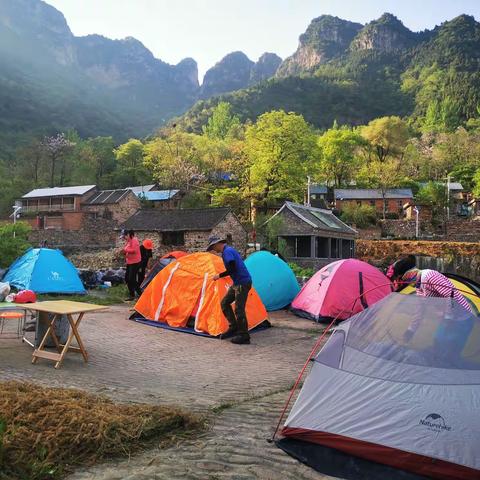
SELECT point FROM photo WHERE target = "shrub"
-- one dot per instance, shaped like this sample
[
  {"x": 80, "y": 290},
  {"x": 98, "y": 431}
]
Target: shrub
[
  {"x": 360, "y": 215},
  {"x": 12, "y": 247},
  {"x": 392, "y": 216},
  {"x": 301, "y": 272}
]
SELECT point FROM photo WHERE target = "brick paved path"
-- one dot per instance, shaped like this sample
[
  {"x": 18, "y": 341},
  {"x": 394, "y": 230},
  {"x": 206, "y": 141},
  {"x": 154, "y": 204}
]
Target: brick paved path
[{"x": 134, "y": 362}]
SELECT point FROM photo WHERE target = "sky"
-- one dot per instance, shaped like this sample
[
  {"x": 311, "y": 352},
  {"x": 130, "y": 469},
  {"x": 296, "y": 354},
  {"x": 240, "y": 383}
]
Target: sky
[{"x": 207, "y": 30}]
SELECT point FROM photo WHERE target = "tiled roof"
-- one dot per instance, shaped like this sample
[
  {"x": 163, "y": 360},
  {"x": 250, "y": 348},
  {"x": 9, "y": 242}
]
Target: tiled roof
[
  {"x": 107, "y": 197},
  {"x": 157, "y": 195},
  {"x": 59, "y": 191},
  {"x": 371, "y": 193},
  {"x": 175, "y": 219},
  {"x": 318, "y": 218}
]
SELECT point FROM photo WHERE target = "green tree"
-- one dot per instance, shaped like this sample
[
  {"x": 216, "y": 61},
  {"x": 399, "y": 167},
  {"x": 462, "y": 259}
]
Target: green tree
[
  {"x": 222, "y": 122},
  {"x": 360, "y": 215},
  {"x": 434, "y": 194},
  {"x": 282, "y": 149},
  {"x": 10, "y": 246},
  {"x": 384, "y": 176},
  {"x": 130, "y": 167},
  {"x": 338, "y": 147},
  {"x": 175, "y": 161},
  {"x": 387, "y": 137}
]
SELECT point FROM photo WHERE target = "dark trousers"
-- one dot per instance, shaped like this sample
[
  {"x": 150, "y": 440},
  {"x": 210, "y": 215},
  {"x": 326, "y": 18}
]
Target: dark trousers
[
  {"x": 239, "y": 295},
  {"x": 141, "y": 275},
  {"x": 131, "y": 277}
]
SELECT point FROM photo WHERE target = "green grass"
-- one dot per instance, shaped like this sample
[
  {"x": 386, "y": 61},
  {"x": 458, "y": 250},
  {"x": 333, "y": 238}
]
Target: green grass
[{"x": 109, "y": 296}]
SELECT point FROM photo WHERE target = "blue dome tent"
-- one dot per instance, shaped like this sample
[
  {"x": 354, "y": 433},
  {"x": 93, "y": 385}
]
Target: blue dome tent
[
  {"x": 273, "y": 280},
  {"x": 44, "y": 271}
]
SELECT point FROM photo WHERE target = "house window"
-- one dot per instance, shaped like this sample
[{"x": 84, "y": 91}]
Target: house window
[
  {"x": 372, "y": 203},
  {"x": 359, "y": 203},
  {"x": 334, "y": 248},
  {"x": 400, "y": 204},
  {"x": 347, "y": 248},
  {"x": 173, "y": 238},
  {"x": 229, "y": 239},
  {"x": 298, "y": 246},
  {"x": 322, "y": 247}
]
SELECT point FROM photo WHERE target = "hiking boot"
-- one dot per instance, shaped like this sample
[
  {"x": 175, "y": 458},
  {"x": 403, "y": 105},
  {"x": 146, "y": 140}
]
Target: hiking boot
[
  {"x": 228, "y": 333},
  {"x": 241, "y": 339}
]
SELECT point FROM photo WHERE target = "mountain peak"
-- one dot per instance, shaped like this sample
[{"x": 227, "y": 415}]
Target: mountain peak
[
  {"x": 385, "y": 34},
  {"x": 325, "y": 38},
  {"x": 232, "y": 72}
]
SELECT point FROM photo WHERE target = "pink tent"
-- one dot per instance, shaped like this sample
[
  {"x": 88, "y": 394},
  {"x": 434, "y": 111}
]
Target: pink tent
[{"x": 341, "y": 289}]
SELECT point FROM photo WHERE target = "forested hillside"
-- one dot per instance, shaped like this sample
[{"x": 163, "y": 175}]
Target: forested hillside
[{"x": 431, "y": 77}]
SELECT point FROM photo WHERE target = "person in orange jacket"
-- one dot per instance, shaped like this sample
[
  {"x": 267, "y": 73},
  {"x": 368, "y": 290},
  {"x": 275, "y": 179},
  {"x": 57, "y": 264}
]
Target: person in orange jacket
[
  {"x": 133, "y": 260},
  {"x": 147, "y": 255}
]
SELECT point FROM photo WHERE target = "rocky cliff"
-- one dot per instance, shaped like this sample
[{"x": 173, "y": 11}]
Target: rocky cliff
[
  {"x": 325, "y": 38},
  {"x": 236, "y": 71},
  {"x": 265, "y": 68},
  {"x": 386, "y": 34}
]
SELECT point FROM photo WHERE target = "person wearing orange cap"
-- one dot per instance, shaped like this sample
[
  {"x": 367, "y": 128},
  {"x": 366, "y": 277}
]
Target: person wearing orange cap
[{"x": 146, "y": 253}]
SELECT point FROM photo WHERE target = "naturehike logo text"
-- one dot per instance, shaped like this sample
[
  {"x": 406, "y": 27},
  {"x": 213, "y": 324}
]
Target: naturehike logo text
[{"x": 435, "y": 423}]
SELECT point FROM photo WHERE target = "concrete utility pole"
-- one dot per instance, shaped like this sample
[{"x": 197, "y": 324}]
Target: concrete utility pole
[
  {"x": 417, "y": 211},
  {"x": 16, "y": 209},
  {"x": 308, "y": 191},
  {"x": 448, "y": 197}
]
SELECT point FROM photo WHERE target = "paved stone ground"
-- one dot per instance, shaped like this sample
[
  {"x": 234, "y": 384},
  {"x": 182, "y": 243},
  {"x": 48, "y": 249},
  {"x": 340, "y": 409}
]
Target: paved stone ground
[{"x": 135, "y": 362}]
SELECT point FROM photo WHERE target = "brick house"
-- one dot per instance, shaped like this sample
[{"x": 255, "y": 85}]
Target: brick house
[
  {"x": 314, "y": 236},
  {"x": 57, "y": 208},
  {"x": 66, "y": 208},
  {"x": 396, "y": 198},
  {"x": 187, "y": 229},
  {"x": 116, "y": 205}
]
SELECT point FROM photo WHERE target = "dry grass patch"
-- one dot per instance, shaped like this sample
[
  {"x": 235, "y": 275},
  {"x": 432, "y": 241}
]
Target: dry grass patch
[{"x": 44, "y": 432}]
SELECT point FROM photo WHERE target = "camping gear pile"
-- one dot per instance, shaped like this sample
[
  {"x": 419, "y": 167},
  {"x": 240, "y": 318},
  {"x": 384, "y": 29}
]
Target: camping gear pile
[
  {"x": 96, "y": 278},
  {"x": 410, "y": 402}
]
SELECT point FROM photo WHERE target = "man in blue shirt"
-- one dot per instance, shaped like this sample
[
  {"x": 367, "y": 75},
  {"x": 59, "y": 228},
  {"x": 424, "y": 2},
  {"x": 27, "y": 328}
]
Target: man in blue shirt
[{"x": 242, "y": 283}]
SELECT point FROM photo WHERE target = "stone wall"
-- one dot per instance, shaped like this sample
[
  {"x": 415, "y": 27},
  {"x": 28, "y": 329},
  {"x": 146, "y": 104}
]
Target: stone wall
[
  {"x": 95, "y": 234},
  {"x": 458, "y": 230},
  {"x": 197, "y": 240},
  {"x": 452, "y": 257}
]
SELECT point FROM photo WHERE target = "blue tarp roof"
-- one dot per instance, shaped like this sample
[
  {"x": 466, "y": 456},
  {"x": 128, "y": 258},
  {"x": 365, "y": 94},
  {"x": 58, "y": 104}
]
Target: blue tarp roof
[{"x": 157, "y": 195}]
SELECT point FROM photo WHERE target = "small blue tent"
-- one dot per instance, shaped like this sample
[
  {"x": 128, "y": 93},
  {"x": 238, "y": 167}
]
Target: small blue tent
[
  {"x": 273, "y": 280},
  {"x": 44, "y": 271}
]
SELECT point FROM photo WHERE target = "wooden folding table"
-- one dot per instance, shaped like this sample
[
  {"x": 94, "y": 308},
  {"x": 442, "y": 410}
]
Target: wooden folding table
[{"x": 59, "y": 308}]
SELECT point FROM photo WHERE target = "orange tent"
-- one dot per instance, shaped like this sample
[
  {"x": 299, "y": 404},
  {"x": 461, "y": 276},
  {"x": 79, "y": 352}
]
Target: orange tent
[
  {"x": 174, "y": 254},
  {"x": 186, "y": 288}
]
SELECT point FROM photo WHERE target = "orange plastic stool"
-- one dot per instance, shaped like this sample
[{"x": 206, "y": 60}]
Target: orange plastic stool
[{"x": 12, "y": 315}]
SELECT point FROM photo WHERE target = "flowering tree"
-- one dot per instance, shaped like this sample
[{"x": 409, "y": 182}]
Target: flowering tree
[{"x": 56, "y": 147}]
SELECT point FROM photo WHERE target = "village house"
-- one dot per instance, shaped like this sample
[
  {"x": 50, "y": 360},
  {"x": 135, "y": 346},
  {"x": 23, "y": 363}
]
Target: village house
[
  {"x": 314, "y": 236},
  {"x": 58, "y": 208},
  {"x": 68, "y": 208},
  {"x": 319, "y": 196},
  {"x": 187, "y": 229},
  {"x": 395, "y": 198},
  {"x": 116, "y": 205}
]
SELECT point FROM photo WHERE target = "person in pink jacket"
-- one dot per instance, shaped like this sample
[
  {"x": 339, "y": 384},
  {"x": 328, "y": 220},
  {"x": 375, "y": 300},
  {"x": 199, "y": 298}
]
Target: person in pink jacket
[{"x": 133, "y": 259}]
